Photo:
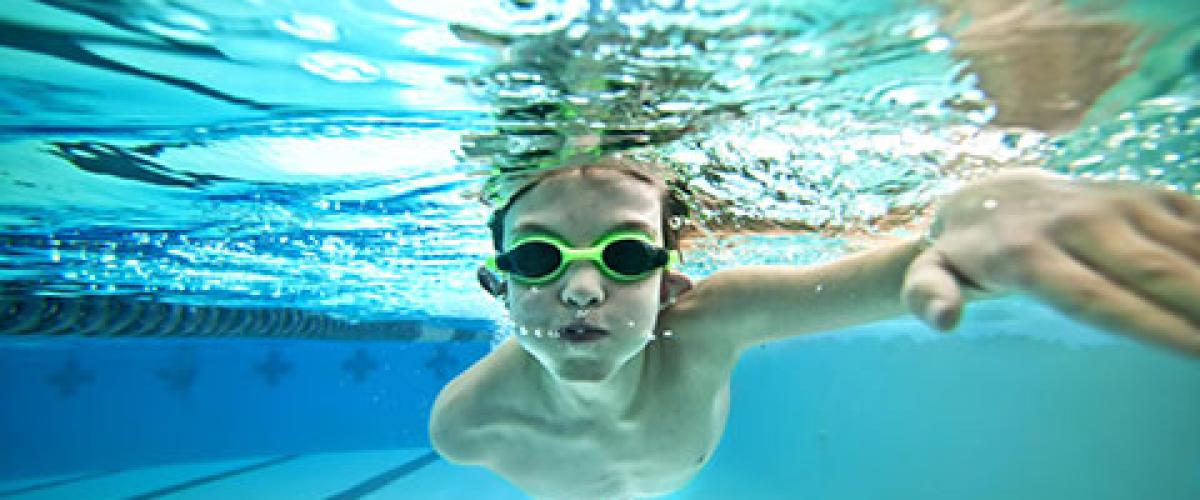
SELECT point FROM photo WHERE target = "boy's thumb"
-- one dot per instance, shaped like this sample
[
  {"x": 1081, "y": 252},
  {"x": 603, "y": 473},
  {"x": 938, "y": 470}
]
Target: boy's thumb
[{"x": 931, "y": 291}]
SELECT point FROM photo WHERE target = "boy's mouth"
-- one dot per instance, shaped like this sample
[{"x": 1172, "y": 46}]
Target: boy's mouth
[{"x": 581, "y": 332}]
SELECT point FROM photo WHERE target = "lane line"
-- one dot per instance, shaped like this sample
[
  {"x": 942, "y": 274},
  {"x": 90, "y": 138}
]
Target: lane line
[
  {"x": 371, "y": 485},
  {"x": 214, "y": 477},
  {"x": 57, "y": 482}
]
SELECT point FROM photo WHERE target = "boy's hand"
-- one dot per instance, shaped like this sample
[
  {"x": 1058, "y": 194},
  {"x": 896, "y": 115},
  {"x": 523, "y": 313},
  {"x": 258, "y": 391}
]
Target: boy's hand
[{"x": 1118, "y": 256}]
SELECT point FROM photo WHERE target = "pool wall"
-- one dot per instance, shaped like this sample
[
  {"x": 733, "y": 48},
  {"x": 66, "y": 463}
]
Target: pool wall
[{"x": 77, "y": 404}]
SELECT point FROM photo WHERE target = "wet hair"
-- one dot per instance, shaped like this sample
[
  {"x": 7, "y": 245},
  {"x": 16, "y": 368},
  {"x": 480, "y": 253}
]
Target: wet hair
[{"x": 674, "y": 209}]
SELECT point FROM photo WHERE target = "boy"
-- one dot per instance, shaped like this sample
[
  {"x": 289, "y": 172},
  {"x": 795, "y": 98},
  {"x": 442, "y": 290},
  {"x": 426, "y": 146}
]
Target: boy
[{"x": 616, "y": 382}]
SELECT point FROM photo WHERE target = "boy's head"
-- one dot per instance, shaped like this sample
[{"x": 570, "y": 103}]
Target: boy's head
[
  {"x": 585, "y": 323},
  {"x": 674, "y": 211}
]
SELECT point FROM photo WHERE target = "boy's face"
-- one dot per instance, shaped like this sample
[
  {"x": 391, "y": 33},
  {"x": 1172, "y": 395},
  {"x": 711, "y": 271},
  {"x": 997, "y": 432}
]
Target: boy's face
[{"x": 589, "y": 324}]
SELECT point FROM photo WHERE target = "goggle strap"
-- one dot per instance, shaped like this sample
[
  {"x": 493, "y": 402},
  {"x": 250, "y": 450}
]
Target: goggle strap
[
  {"x": 503, "y": 262},
  {"x": 661, "y": 258},
  {"x": 493, "y": 263},
  {"x": 674, "y": 259}
]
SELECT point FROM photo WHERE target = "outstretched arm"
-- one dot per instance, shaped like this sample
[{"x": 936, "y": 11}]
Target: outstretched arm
[
  {"x": 1119, "y": 256},
  {"x": 744, "y": 306}
]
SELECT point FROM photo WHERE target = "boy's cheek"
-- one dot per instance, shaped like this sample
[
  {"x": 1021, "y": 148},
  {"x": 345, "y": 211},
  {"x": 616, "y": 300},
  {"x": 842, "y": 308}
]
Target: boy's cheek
[
  {"x": 529, "y": 309},
  {"x": 523, "y": 297}
]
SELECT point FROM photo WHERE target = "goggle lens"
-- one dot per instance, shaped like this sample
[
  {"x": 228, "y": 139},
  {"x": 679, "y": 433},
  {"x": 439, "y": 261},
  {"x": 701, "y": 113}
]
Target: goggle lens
[
  {"x": 535, "y": 259},
  {"x": 629, "y": 257}
]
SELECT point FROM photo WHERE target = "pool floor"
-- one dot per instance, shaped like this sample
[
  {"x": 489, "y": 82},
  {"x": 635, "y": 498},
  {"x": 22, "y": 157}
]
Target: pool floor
[{"x": 405, "y": 473}]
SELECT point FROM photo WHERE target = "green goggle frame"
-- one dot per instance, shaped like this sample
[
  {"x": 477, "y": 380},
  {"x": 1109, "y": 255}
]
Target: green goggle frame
[{"x": 621, "y": 256}]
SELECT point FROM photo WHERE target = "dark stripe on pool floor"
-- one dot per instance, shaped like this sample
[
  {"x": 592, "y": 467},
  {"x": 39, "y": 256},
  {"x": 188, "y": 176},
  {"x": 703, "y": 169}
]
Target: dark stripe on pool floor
[
  {"x": 371, "y": 485},
  {"x": 214, "y": 477},
  {"x": 57, "y": 482}
]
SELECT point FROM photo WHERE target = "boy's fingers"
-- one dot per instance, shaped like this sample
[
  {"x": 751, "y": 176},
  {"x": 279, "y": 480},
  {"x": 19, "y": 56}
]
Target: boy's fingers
[
  {"x": 1185, "y": 205},
  {"x": 1077, "y": 290},
  {"x": 1143, "y": 267},
  {"x": 931, "y": 292},
  {"x": 1162, "y": 225}
]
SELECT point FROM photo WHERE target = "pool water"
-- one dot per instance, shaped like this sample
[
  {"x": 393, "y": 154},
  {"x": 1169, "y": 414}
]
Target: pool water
[{"x": 239, "y": 239}]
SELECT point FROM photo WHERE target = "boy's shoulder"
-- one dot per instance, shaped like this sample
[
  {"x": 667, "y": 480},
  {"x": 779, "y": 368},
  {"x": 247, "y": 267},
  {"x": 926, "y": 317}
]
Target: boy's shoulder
[{"x": 467, "y": 409}]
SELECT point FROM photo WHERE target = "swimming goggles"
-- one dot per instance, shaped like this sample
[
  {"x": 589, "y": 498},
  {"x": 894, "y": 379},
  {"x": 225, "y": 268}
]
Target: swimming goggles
[{"x": 622, "y": 256}]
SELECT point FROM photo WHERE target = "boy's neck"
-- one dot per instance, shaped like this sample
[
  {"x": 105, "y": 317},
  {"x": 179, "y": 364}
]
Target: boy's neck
[{"x": 610, "y": 397}]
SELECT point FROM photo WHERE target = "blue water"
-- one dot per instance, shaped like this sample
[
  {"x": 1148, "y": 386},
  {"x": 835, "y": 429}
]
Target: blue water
[{"x": 233, "y": 230}]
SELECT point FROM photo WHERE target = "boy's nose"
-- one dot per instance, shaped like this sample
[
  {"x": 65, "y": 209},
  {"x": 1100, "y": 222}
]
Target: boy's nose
[{"x": 583, "y": 285}]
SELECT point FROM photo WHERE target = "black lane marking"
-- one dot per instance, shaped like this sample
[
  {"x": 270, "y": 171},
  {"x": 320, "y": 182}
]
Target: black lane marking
[
  {"x": 57, "y": 482},
  {"x": 371, "y": 485},
  {"x": 214, "y": 477}
]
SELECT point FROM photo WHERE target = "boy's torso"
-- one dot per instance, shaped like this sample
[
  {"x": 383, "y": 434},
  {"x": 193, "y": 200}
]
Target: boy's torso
[{"x": 665, "y": 436}]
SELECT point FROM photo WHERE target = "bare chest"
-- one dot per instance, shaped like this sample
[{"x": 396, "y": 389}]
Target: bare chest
[{"x": 655, "y": 450}]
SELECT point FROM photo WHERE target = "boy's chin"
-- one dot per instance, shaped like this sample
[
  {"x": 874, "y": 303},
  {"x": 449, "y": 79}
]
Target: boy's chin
[
  {"x": 584, "y": 370},
  {"x": 594, "y": 361}
]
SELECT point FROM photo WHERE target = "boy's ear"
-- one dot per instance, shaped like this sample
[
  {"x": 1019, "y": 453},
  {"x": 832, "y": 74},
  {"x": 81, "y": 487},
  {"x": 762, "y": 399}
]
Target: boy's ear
[
  {"x": 674, "y": 285},
  {"x": 494, "y": 286}
]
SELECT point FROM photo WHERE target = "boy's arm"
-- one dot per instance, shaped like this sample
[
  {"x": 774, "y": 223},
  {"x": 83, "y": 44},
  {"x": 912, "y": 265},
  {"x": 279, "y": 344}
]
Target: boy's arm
[
  {"x": 450, "y": 436},
  {"x": 740, "y": 307},
  {"x": 1119, "y": 256},
  {"x": 458, "y": 421}
]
